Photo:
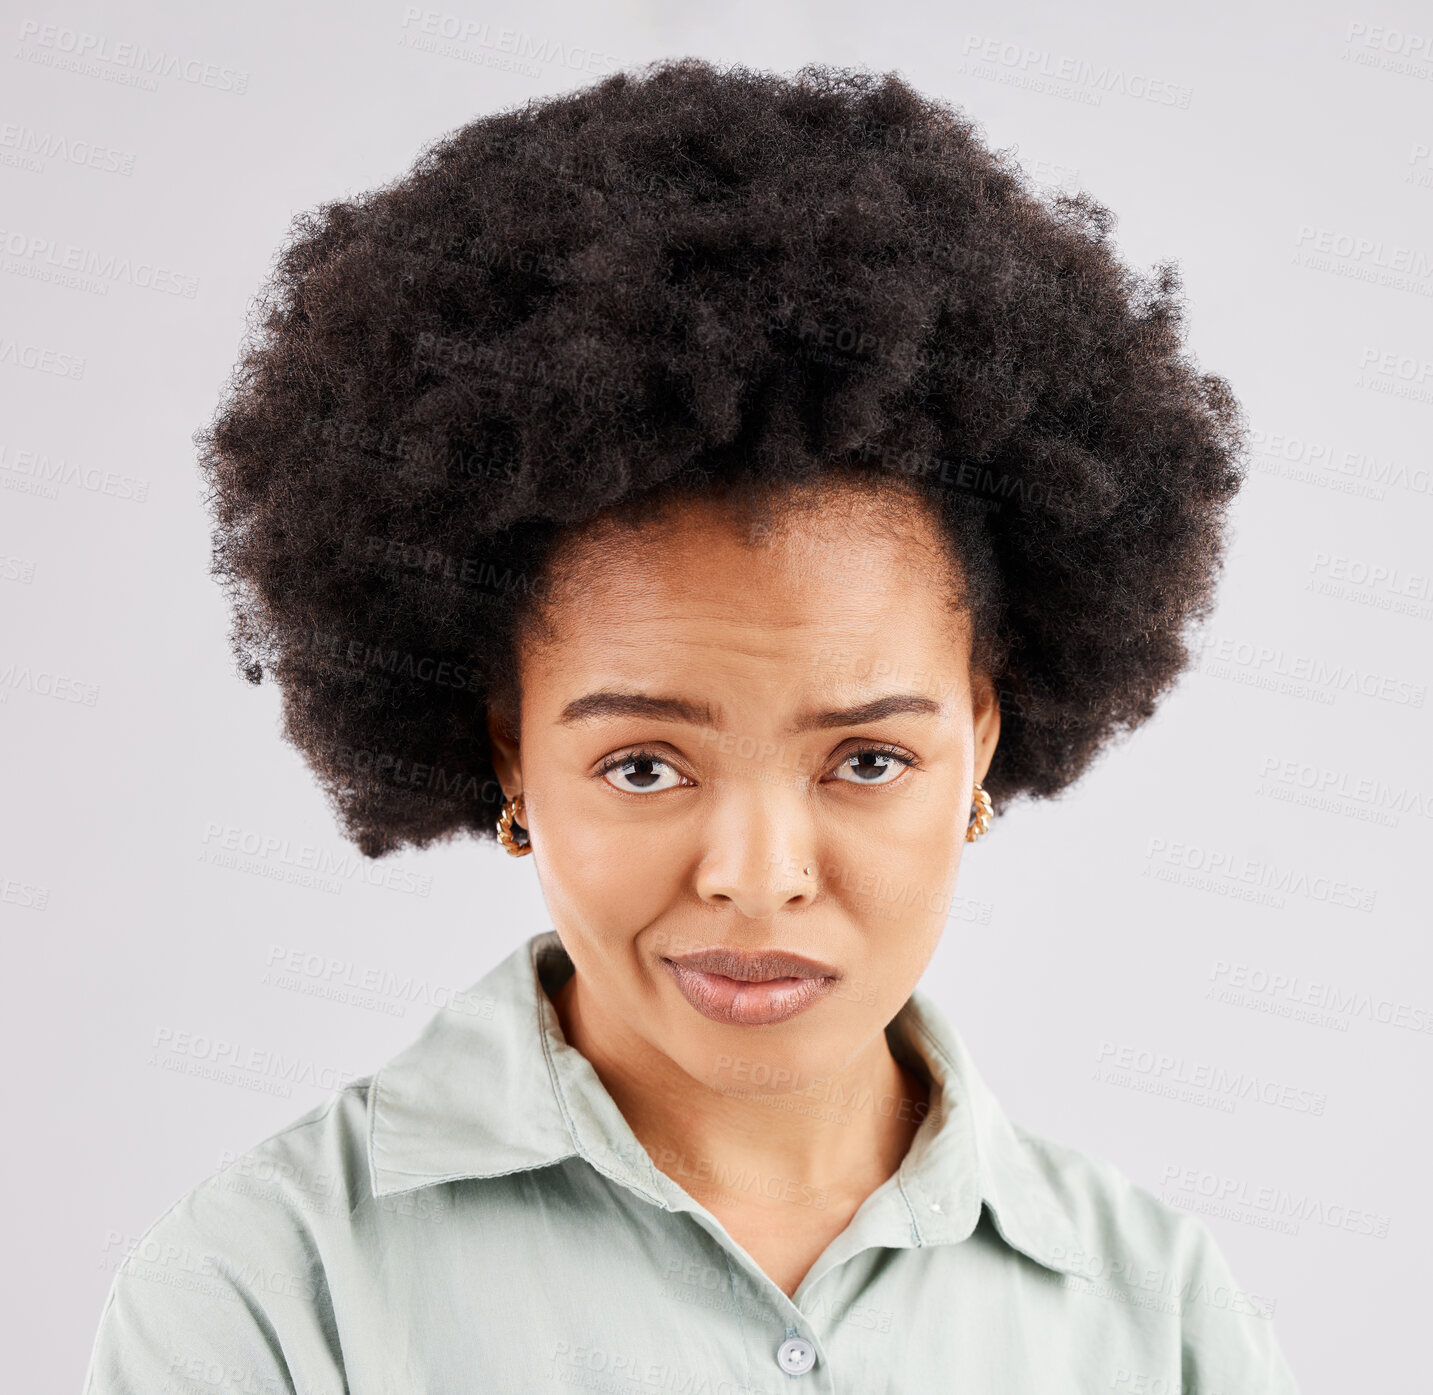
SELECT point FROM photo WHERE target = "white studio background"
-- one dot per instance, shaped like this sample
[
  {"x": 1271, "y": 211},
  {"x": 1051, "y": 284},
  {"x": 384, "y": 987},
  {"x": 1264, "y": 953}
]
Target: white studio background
[{"x": 1240, "y": 887}]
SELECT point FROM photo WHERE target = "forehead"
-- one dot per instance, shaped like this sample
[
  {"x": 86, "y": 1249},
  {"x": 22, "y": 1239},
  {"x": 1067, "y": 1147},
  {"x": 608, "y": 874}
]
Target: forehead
[{"x": 844, "y": 591}]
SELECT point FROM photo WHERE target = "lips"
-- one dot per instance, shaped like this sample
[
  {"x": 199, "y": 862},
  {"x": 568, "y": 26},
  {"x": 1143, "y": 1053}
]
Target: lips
[{"x": 751, "y": 988}]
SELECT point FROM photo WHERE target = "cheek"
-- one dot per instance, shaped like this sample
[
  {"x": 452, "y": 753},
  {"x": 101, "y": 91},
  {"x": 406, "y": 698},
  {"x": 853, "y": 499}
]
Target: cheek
[
  {"x": 894, "y": 876},
  {"x": 911, "y": 849},
  {"x": 603, "y": 879}
]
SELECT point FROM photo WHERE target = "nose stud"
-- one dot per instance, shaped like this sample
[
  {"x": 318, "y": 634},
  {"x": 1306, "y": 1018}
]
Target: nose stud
[{"x": 808, "y": 871}]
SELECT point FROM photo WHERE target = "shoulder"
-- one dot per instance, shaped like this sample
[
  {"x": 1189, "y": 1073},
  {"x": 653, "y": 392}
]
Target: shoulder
[
  {"x": 281, "y": 1189},
  {"x": 235, "y": 1270},
  {"x": 1117, "y": 1223},
  {"x": 1130, "y": 1246},
  {"x": 313, "y": 1168}
]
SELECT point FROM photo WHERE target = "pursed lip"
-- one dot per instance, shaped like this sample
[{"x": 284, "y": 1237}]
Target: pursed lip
[
  {"x": 752, "y": 988},
  {"x": 753, "y": 965}
]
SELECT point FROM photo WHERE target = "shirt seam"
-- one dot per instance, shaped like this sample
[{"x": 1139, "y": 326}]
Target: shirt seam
[
  {"x": 904, "y": 1182},
  {"x": 437, "y": 1179}
]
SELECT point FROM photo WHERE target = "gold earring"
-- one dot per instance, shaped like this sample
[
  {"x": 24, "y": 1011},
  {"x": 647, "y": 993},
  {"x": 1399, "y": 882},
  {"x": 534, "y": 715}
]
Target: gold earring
[
  {"x": 979, "y": 815},
  {"x": 512, "y": 808}
]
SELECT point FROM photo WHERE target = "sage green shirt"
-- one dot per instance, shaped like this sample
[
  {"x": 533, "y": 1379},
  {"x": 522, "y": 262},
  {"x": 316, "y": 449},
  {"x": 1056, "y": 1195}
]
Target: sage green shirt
[{"x": 477, "y": 1218}]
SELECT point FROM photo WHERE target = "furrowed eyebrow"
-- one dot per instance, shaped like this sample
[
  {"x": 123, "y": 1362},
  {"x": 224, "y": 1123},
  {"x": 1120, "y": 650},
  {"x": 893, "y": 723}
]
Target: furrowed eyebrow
[
  {"x": 607, "y": 704},
  {"x": 892, "y": 705},
  {"x": 596, "y": 706}
]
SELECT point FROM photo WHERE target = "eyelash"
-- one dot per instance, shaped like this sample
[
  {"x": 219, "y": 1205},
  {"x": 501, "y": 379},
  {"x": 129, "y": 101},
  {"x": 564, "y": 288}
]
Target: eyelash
[
  {"x": 627, "y": 757},
  {"x": 882, "y": 748},
  {"x": 616, "y": 762}
]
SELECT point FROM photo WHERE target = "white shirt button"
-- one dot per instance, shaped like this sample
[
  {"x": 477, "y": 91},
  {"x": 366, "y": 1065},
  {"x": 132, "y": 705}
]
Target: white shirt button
[{"x": 796, "y": 1356}]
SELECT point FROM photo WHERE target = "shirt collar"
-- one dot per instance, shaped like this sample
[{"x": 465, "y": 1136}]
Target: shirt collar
[{"x": 491, "y": 1086}]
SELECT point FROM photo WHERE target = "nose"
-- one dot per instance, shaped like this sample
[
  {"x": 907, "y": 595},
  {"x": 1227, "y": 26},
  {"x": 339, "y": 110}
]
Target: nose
[{"x": 757, "y": 846}]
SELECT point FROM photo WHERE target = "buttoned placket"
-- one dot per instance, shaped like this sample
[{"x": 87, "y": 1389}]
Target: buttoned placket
[
  {"x": 622, "y": 1161},
  {"x": 888, "y": 1218},
  {"x": 769, "y": 1347}
]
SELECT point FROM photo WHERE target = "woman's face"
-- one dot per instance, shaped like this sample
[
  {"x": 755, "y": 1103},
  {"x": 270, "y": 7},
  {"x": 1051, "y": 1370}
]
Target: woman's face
[{"x": 711, "y": 712}]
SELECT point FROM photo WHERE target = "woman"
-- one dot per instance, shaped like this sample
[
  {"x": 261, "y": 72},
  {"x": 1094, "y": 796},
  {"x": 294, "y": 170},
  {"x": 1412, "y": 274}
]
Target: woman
[{"x": 731, "y": 491}]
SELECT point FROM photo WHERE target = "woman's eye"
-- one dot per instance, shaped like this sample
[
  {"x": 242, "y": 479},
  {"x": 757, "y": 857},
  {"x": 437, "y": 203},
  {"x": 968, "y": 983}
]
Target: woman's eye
[
  {"x": 870, "y": 768},
  {"x": 641, "y": 775}
]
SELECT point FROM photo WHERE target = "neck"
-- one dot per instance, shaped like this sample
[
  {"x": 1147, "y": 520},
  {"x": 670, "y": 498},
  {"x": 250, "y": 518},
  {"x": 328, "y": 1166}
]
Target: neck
[{"x": 787, "y": 1146}]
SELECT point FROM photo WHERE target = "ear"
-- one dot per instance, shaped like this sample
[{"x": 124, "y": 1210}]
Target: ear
[
  {"x": 986, "y": 709},
  {"x": 506, "y": 751}
]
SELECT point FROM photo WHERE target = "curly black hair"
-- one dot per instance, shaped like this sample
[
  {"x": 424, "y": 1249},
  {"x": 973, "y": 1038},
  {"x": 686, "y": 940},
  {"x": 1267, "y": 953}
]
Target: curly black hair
[{"x": 693, "y": 279}]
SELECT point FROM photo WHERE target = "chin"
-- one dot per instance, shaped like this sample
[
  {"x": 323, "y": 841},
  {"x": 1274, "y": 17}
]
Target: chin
[{"x": 751, "y": 1062}]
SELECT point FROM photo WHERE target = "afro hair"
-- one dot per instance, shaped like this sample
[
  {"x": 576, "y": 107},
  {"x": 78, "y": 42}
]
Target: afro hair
[{"x": 690, "y": 278}]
